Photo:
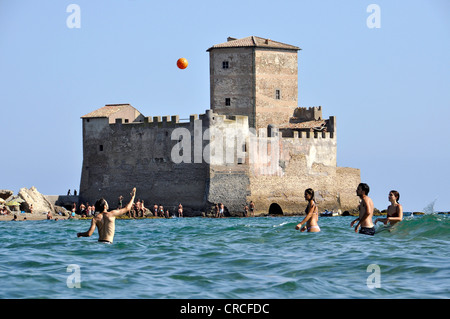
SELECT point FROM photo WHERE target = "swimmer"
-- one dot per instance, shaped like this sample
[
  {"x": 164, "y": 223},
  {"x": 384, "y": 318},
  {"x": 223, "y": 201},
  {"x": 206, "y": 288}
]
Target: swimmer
[
  {"x": 312, "y": 214},
  {"x": 394, "y": 211},
  {"x": 105, "y": 221},
  {"x": 365, "y": 211}
]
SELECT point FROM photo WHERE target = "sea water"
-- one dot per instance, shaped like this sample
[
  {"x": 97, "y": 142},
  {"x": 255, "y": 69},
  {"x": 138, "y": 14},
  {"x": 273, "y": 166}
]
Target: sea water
[{"x": 245, "y": 258}]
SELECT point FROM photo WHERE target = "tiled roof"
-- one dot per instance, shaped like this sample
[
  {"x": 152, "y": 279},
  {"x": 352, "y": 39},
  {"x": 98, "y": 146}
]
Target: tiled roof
[
  {"x": 253, "y": 41},
  {"x": 107, "y": 110}
]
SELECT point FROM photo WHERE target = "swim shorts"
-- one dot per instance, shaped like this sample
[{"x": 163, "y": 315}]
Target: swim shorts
[{"x": 367, "y": 231}]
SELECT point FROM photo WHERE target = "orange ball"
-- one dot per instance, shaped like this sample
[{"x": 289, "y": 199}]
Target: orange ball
[{"x": 182, "y": 63}]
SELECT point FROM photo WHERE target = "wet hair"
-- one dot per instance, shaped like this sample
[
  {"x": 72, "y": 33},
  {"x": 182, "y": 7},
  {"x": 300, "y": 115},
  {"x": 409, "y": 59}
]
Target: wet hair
[
  {"x": 365, "y": 188},
  {"x": 396, "y": 194},
  {"x": 310, "y": 191},
  {"x": 100, "y": 205}
]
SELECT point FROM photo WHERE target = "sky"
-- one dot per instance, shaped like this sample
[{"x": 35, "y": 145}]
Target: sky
[{"x": 388, "y": 84}]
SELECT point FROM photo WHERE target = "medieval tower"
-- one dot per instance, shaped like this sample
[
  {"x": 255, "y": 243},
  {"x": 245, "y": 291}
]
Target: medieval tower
[{"x": 254, "y": 144}]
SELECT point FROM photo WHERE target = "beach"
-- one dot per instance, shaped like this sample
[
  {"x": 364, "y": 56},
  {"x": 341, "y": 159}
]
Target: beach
[{"x": 30, "y": 216}]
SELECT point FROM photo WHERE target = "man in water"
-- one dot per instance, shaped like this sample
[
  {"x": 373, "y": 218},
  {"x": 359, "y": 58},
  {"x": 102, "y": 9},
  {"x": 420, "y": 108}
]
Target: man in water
[
  {"x": 365, "y": 211},
  {"x": 105, "y": 221}
]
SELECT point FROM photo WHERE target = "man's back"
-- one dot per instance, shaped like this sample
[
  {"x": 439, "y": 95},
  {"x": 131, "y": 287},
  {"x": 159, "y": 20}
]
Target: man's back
[
  {"x": 105, "y": 221},
  {"x": 106, "y": 226}
]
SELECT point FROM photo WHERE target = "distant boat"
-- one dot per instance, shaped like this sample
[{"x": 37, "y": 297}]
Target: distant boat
[{"x": 327, "y": 213}]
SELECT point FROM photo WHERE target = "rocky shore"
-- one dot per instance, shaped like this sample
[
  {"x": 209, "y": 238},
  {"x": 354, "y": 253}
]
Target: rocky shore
[{"x": 28, "y": 204}]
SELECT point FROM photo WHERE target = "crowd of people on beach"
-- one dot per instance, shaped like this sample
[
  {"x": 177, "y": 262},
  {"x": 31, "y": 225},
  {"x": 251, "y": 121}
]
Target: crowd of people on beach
[{"x": 138, "y": 210}]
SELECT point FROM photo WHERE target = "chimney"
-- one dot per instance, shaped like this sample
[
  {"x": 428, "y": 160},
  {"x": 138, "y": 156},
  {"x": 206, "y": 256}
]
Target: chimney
[
  {"x": 230, "y": 39},
  {"x": 267, "y": 41}
]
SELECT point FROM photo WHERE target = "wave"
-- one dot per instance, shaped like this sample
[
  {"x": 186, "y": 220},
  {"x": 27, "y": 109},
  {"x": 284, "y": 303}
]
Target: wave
[{"x": 432, "y": 226}]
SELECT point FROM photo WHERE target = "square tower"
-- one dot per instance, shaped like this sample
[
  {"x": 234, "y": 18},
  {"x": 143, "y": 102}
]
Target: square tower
[{"x": 255, "y": 77}]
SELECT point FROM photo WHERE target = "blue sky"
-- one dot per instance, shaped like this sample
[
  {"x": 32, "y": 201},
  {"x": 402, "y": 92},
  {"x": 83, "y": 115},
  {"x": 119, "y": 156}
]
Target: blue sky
[{"x": 388, "y": 87}]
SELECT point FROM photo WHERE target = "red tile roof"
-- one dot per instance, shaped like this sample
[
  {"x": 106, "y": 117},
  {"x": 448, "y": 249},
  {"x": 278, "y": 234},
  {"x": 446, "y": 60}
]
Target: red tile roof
[
  {"x": 253, "y": 41},
  {"x": 107, "y": 110}
]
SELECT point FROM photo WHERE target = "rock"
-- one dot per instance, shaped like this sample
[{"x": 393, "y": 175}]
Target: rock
[
  {"x": 33, "y": 197},
  {"x": 5, "y": 193},
  {"x": 59, "y": 210}
]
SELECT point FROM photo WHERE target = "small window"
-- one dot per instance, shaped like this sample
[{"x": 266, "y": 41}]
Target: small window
[
  {"x": 100, "y": 148},
  {"x": 126, "y": 121},
  {"x": 277, "y": 94},
  {"x": 227, "y": 101},
  {"x": 225, "y": 64}
]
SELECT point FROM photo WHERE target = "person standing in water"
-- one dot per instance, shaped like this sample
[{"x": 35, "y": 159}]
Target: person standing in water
[
  {"x": 180, "y": 210},
  {"x": 365, "y": 211},
  {"x": 394, "y": 211},
  {"x": 312, "y": 214},
  {"x": 105, "y": 221}
]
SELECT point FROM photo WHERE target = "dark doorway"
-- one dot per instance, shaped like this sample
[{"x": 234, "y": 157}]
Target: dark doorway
[{"x": 275, "y": 209}]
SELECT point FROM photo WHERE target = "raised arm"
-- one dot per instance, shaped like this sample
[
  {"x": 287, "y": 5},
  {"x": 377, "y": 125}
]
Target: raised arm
[
  {"x": 90, "y": 231},
  {"x": 126, "y": 209}
]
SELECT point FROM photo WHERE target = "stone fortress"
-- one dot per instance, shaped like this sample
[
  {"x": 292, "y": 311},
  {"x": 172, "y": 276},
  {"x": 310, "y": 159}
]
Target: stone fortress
[{"x": 253, "y": 144}]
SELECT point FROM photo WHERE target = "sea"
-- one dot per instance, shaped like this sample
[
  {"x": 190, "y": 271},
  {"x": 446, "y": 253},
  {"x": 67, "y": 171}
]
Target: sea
[{"x": 226, "y": 258}]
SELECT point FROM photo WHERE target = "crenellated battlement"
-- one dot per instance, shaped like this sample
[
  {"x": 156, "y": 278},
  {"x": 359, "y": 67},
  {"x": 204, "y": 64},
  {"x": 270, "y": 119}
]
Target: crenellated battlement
[
  {"x": 174, "y": 121},
  {"x": 294, "y": 134},
  {"x": 315, "y": 135},
  {"x": 302, "y": 114}
]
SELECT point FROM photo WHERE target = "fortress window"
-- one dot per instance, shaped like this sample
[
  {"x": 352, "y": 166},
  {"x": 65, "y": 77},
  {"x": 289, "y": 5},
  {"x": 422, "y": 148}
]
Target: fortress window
[
  {"x": 277, "y": 94},
  {"x": 100, "y": 148},
  {"x": 225, "y": 64},
  {"x": 227, "y": 101}
]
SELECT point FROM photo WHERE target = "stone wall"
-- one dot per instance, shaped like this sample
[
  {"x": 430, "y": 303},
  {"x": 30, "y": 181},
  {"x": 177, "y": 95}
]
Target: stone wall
[
  {"x": 120, "y": 156},
  {"x": 235, "y": 82},
  {"x": 228, "y": 170},
  {"x": 275, "y": 70},
  {"x": 250, "y": 82},
  {"x": 303, "y": 162}
]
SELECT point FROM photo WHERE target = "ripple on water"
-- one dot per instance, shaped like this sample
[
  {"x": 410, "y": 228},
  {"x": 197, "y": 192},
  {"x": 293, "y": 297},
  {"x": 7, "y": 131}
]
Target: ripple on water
[{"x": 225, "y": 258}]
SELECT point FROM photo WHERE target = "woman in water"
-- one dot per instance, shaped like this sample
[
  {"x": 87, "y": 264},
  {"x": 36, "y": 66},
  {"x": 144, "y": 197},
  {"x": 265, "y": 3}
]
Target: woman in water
[
  {"x": 312, "y": 214},
  {"x": 394, "y": 211}
]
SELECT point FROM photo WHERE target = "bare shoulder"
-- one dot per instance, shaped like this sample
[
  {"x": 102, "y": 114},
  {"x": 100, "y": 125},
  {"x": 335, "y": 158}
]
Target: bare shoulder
[
  {"x": 112, "y": 214},
  {"x": 368, "y": 201}
]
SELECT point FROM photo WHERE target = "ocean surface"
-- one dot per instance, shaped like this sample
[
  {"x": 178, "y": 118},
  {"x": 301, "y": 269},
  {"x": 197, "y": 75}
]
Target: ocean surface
[{"x": 244, "y": 258}]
